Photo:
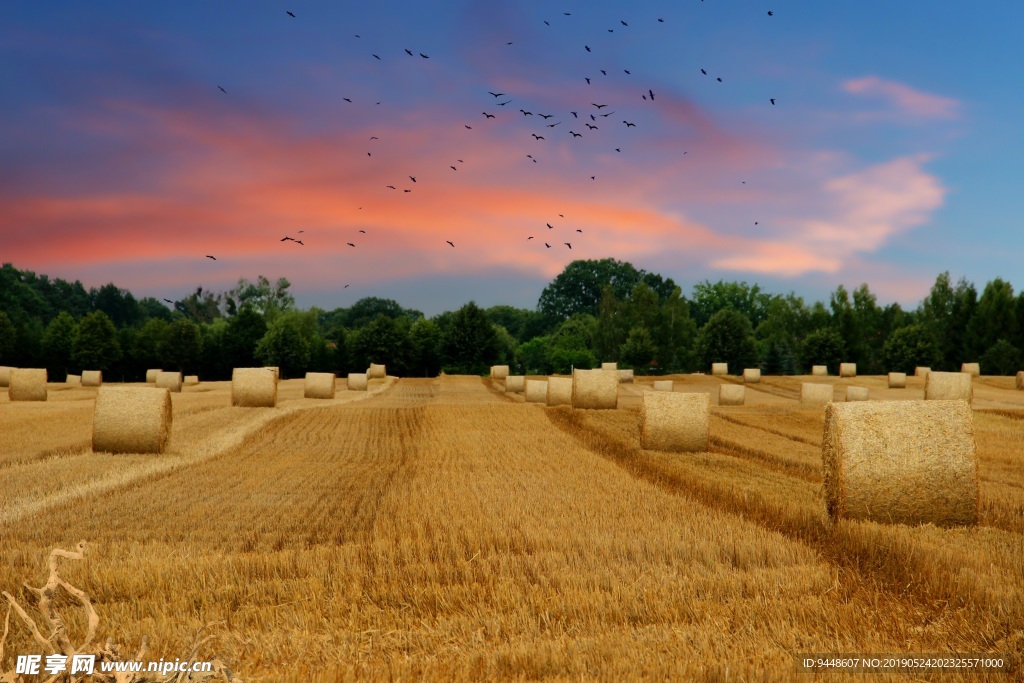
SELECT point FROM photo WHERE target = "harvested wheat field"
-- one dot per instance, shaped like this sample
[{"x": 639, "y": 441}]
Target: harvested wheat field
[{"x": 442, "y": 529}]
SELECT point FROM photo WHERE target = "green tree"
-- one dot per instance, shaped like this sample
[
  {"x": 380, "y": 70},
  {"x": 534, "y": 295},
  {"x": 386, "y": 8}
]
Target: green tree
[
  {"x": 639, "y": 350},
  {"x": 385, "y": 341},
  {"x": 200, "y": 306},
  {"x": 244, "y": 332},
  {"x": 268, "y": 300},
  {"x": 96, "y": 345},
  {"x": 577, "y": 289},
  {"x": 910, "y": 346},
  {"x": 58, "y": 344},
  {"x": 342, "y": 357},
  {"x": 180, "y": 346},
  {"x": 8, "y": 339},
  {"x": 1002, "y": 358},
  {"x": 284, "y": 346},
  {"x": 823, "y": 346},
  {"x": 471, "y": 343},
  {"x": 995, "y": 317},
  {"x": 674, "y": 334},
  {"x": 612, "y": 325},
  {"x": 710, "y": 298},
  {"x": 572, "y": 344},
  {"x": 368, "y": 309},
  {"x": 533, "y": 356},
  {"x": 426, "y": 348},
  {"x": 727, "y": 337},
  {"x": 507, "y": 345},
  {"x": 146, "y": 350},
  {"x": 118, "y": 304},
  {"x": 212, "y": 363}
]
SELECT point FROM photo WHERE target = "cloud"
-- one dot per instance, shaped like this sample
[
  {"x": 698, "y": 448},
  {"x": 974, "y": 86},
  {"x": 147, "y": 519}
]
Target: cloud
[{"x": 906, "y": 100}]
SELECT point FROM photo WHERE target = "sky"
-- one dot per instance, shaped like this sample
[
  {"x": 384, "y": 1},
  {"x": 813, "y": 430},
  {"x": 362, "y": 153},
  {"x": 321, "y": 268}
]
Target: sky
[{"x": 139, "y": 137}]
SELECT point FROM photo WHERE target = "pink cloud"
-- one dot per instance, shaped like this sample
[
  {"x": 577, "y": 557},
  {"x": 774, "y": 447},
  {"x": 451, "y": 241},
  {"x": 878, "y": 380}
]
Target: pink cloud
[{"x": 904, "y": 98}]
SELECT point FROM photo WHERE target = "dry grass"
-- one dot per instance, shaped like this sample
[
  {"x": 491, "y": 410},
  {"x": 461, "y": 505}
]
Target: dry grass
[
  {"x": 191, "y": 380},
  {"x": 663, "y": 385},
  {"x": 921, "y": 371},
  {"x": 5, "y": 376},
  {"x": 626, "y": 376},
  {"x": 357, "y": 381},
  {"x": 856, "y": 393},
  {"x": 1019, "y": 382},
  {"x": 815, "y": 394},
  {"x": 131, "y": 420},
  {"x": 151, "y": 374},
  {"x": 27, "y": 384},
  {"x": 609, "y": 366},
  {"x": 499, "y": 371},
  {"x": 73, "y": 380},
  {"x": 674, "y": 422},
  {"x": 376, "y": 371},
  {"x": 731, "y": 394}
]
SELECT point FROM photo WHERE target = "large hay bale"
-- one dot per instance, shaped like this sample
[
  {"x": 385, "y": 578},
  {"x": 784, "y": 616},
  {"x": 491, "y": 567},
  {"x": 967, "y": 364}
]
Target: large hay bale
[
  {"x": 499, "y": 371},
  {"x": 515, "y": 384},
  {"x": 719, "y": 368},
  {"x": 376, "y": 371},
  {"x": 151, "y": 375},
  {"x": 948, "y": 386},
  {"x": 815, "y": 394},
  {"x": 536, "y": 391},
  {"x": 5, "y": 375},
  {"x": 358, "y": 381},
  {"x": 626, "y": 376},
  {"x": 731, "y": 394},
  {"x": 847, "y": 369},
  {"x": 319, "y": 385},
  {"x": 595, "y": 389},
  {"x": 73, "y": 380},
  {"x": 191, "y": 380},
  {"x": 27, "y": 384},
  {"x": 253, "y": 388},
  {"x": 1020, "y": 379},
  {"x": 609, "y": 366},
  {"x": 752, "y": 375},
  {"x": 921, "y": 371},
  {"x": 664, "y": 385},
  {"x": 908, "y": 462},
  {"x": 856, "y": 393},
  {"x": 131, "y": 420},
  {"x": 819, "y": 370},
  {"x": 559, "y": 391},
  {"x": 675, "y": 422},
  {"x": 92, "y": 378},
  {"x": 972, "y": 369},
  {"x": 897, "y": 380},
  {"x": 171, "y": 381}
]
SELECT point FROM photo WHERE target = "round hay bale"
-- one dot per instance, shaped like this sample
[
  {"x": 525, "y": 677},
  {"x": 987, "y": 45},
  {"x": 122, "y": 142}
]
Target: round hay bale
[
  {"x": 1020, "y": 379},
  {"x": 499, "y": 371},
  {"x": 536, "y": 391},
  {"x": 170, "y": 381},
  {"x": 664, "y": 385},
  {"x": 5, "y": 375},
  {"x": 609, "y": 366},
  {"x": 626, "y": 376},
  {"x": 131, "y": 420},
  {"x": 908, "y": 462},
  {"x": 376, "y": 371},
  {"x": 191, "y": 380},
  {"x": 819, "y": 370},
  {"x": 856, "y": 393},
  {"x": 73, "y": 380},
  {"x": 948, "y": 386},
  {"x": 972, "y": 369},
  {"x": 151, "y": 375},
  {"x": 559, "y": 391},
  {"x": 92, "y": 378},
  {"x": 276, "y": 370},
  {"x": 847, "y": 369},
  {"x": 752, "y": 375},
  {"x": 921, "y": 371},
  {"x": 27, "y": 384},
  {"x": 595, "y": 389},
  {"x": 731, "y": 394},
  {"x": 253, "y": 388},
  {"x": 897, "y": 380},
  {"x": 815, "y": 394},
  {"x": 319, "y": 385},
  {"x": 675, "y": 422},
  {"x": 719, "y": 368},
  {"x": 515, "y": 384},
  {"x": 358, "y": 381}
]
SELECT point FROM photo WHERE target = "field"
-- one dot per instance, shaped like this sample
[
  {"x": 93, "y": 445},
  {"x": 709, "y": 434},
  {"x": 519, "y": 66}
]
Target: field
[{"x": 440, "y": 529}]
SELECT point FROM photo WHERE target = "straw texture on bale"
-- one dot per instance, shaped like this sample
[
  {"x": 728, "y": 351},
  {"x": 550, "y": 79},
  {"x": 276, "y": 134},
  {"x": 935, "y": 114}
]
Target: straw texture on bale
[
  {"x": 1020, "y": 379},
  {"x": 253, "y": 388},
  {"x": 357, "y": 381},
  {"x": 897, "y": 380},
  {"x": 319, "y": 385},
  {"x": 752, "y": 375},
  {"x": 499, "y": 371},
  {"x": 815, "y": 394},
  {"x": 675, "y": 422},
  {"x": 92, "y": 378},
  {"x": 664, "y": 385},
  {"x": 847, "y": 369},
  {"x": 170, "y": 381},
  {"x": 73, "y": 379},
  {"x": 276, "y": 370},
  {"x": 191, "y": 379},
  {"x": 626, "y": 376},
  {"x": 151, "y": 374},
  {"x": 948, "y": 386},
  {"x": 131, "y": 420},
  {"x": 27, "y": 384},
  {"x": 972, "y": 369},
  {"x": 856, "y": 393},
  {"x": 376, "y": 371},
  {"x": 536, "y": 391},
  {"x": 515, "y": 383},
  {"x": 559, "y": 391},
  {"x": 609, "y": 366},
  {"x": 819, "y": 370},
  {"x": 921, "y": 371},
  {"x": 908, "y": 462},
  {"x": 719, "y": 368},
  {"x": 595, "y": 389},
  {"x": 5, "y": 375},
  {"x": 731, "y": 394}
]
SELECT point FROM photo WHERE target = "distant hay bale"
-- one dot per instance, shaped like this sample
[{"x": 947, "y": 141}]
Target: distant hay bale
[
  {"x": 536, "y": 391},
  {"x": 1020, "y": 379},
  {"x": 559, "y": 391},
  {"x": 74, "y": 380},
  {"x": 815, "y": 394},
  {"x": 675, "y": 422},
  {"x": 856, "y": 393},
  {"x": 948, "y": 386},
  {"x": 169, "y": 380},
  {"x": 719, "y": 368},
  {"x": 921, "y": 371},
  {"x": 515, "y": 384},
  {"x": 191, "y": 380},
  {"x": 731, "y": 394},
  {"x": 595, "y": 389},
  {"x": 609, "y": 366},
  {"x": 626, "y": 376},
  {"x": 847, "y": 369},
  {"x": 664, "y": 385},
  {"x": 972, "y": 369},
  {"x": 819, "y": 370},
  {"x": 253, "y": 388},
  {"x": 499, "y": 371},
  {"x": 752, "y": 375},
  {"x": 27, "y": 384},
  {"x": 131, "y": 420},
  {"x": 376, "y": 371},
  {"x": 151, "y": 374},
  {"x": 897, "y": 380},
  {"x": 92, "y": 378},
  {"x": 5, "y": 375},
  {"x": 358, "y": 381},
  {"x": 909, "y": 462},
  {"x": 319, "y": 385}
]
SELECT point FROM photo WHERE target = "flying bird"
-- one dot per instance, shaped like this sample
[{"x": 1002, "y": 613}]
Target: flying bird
[
  {"x": 468, "y": 126},
  {"x": 168, "y": 301},
  {"x": 285, "y": 238},
  {"x": 537, "y": 137},
  {"x": 378, "y": 57},
  {"x": 578, "y": 230},
  {"x": 587, "y": 47},
  {"x": 623, "y": 23},
  {"x": 223, "y": 90},
  {"x": 545, "y": 116},
  {"x": 604, "y": 72},
  {"x": 550, "y": 227},
  {"x": 719, "y": 79},
  {"x": 409, "y": 52},
  {"x": 587, "y": 79},
  {"x": 617, "y": 149},
  {"x": 406, "y": 190},
  {"x": 453, "y": 168},
  {"x": 363, "y": 231},
  {"x": 412, "y": 179},
  {"x": 599, "y": 106},
  {"x": 552, "y": 125},
  {"x": 490, "y": 116},
  {"x": 769, "y": 13},
  {"x": 392, "y": 187},
  {"x": 575, "y": 134},
  {"x": 607, "y": 115},
  {"x": 567, "y": 244},
  {"x": 345, "y": 287},
  {"x": 661, "y": 20},
  {"x": 526, "y": 113},
  {"x": 574, "y": 115},
  {"x": 528, "y": 239},
  {"x": 547, "y": 245},
  {"x": 704, "y": 72},
  {"x": 593, "y": 177},
  {"x": 346, "y": 99},
  {"x": 213, "y": 257},
  {"x": 592, "y": 118},
  {"x": 591, "y": 127},
  {"x": 350, "y": 244},
  {"x": 299, "y": 242},
  {"x": 496, "y": 94},
  {"x": 546, "y": 22},
  {"x": 424, "y": 56},
  {"x": 502, "y": 104},
  {"x": 773, "y": 101},
  {"x": 628, "y": 124},
  {"x": 374, "y": 137},
  {"x": 627, "y": 71},
  {"x": 289, "y": 14},
  {"x": 449, "y": 242},
  {"x": 651, "y": 93}
]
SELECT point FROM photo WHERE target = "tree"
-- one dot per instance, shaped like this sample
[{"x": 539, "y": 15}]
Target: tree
[
  {"x": 200, "y": 306},
  {"x": 471, "y": 343},
  {"x": 118, "y": 304},
  {"x": 612, "y": 325},
  {"x": 577, "y": 289},
  {"x": 58, "y": 344},
  {"x": 674, "y": 334},
  {"x": 710, "y": 298},
  {"x": 384, "y": 341},
  {"x": 727, "y": 337},
  {"x": 146, "y": 349},
  {"x": 8, "y": 338},
  {"x": 994, "y": 318},
  {"x": 513, "y": 319},
  {"x": 96, "y": 346},
  {"x": 1002, "y": 358},
  {"x": 426, "y": 348},
  {"x": 284, "y": 346},
  {"x": 180, "y": 346},
  {"x": 244, "y": 332},
  {"x": 368, "y": 309},
  {"x": 824, "y": 347},
  {"x": 268, "y": 300},
  {"x": 911, "y": 346},
  {"x": 507, "y": 345},
  {"x": 533, "y": 356},
  {"x": 638, "y": 351}
]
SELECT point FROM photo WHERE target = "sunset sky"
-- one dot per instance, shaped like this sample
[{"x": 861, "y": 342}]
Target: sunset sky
[{"x": 894, "y": 150}]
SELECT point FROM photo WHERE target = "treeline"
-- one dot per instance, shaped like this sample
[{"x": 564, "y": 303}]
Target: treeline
[{"x": 593, "y": 311}]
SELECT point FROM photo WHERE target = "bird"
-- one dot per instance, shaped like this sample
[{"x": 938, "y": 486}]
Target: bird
[
  {"x": 591, "y": 127},
  {"x": 561, "y": 215},
  {"x": 546, "y": 22},
  {"x": 628, "y": 124},
  {"x": 392, "y": 187},
  {"x": 529, "y": 238},
  {"x": 545, "y": 116},
  {"x": 496, "y": 94},
  {"x": 593, "y": 177},
  {"x": 289, "y": 14},
  {"x": 607, "y": 115},
  {"x": 587, "y": 47},
  {"x": 285, "y": 238},
  {"x": 460, "y": 161},
  {"x": 453, "y": 168},
  {"x": 567, "y": 244},
  {"x": 662, "y": 21},
  {"x": 755, "y": 222},
  {"x": 578, "y": 230},
  {"x": 617, "y": 149},
  {"x": 552, "y": 125},
  {"x": 468, "y": 126},
  {"x": 550, "y": 227},
  {"x": 651, "y": 93},
  {"x": 547, "y": 245},
  {"x": 299, "y": 242},
  {"x": 604, "y": 72},
  {"x": 574, "y": 115},
  {"x": 623, "y": 23},
  {"x": 363, "y": 231},
  {"x": 599, "y": 106},
  {"x": 409, "y": 52},
  {"x": 704, "y": 72},
  {"x": 168, "y": 301},
  {"x": 406, "y": 190},
  {"x": 502, "y": 104},
  {"x": 627, "y": 71},
  {"x": 575, "y": 134},
  {"x": 350, "y": 244},
  {"x": 526, "y": 113},
  {"x": 592, "y": 118},
  {"x": 345, "y": 287},
  {"x": 212, "y": 257},
  {"x": 449, "y": 242},
  {"x": 772, "y": 99},
  {"x": 490, "y": 116},
  {"x": 378, "y": 57},
  {"x": 305, "y": 231},
  {"x": 346, "y": 99},
  {"x": 719, "y": 79},
  {"x": 587, "y": 80},
  {"x": 508, "y": 43},
  {"x": 374, "y": 137},
  {"x": 769, "y": 13},
  {"x": 223, "y": 90},
  {"x": 412, "y": 179},
  {"x": 424, "y": 56},
  {"x": 537, "y": 137}
]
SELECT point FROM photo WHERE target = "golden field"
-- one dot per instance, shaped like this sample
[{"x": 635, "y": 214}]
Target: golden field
[{"x": 440, "y": 529}]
